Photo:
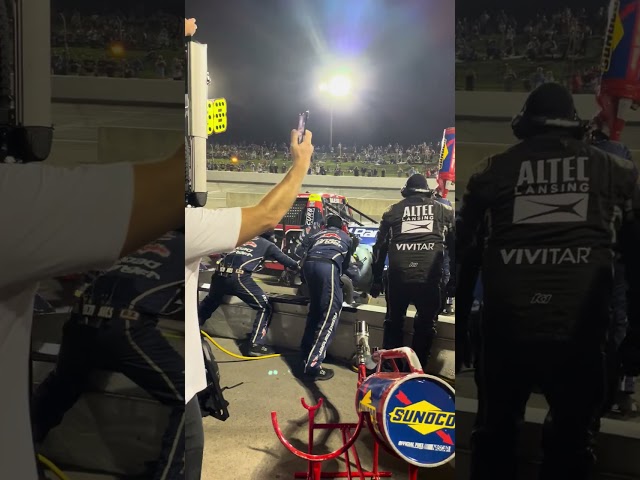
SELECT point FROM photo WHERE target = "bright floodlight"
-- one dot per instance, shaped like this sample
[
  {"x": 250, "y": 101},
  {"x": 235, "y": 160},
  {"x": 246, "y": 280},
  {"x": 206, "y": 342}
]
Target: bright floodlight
[{"x": 338, "y": 86}]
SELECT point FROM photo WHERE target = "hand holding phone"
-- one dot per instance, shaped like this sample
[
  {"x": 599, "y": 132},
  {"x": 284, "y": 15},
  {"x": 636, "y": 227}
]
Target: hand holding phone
[
  {"x": 301, "y": 152},
  {"x": 302, "y": 126}
]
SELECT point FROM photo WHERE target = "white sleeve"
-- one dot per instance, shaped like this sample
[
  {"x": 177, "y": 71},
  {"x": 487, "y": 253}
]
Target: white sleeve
[
  {"x": 61, "y": 220},
  {"x": 210, "y": 231}
]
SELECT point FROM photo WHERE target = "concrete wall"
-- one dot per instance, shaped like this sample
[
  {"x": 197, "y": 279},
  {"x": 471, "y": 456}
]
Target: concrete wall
[
  {"x": 483, "y": 127},
  {"x": 130, "y": 144},
  {"x": 73, "y": 89},
  {"x": 83, "y": 106},
  {"x": 78, "y": 129},
  {"x": 369, "y": 195},
  {"x": 505, "y": 105}
]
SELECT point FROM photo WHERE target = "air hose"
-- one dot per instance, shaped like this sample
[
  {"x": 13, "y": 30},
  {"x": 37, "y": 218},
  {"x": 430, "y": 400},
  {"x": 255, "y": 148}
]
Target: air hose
[
  {"x": 52, "y": 467},
  {"x": 231, "y": 354},
  {"x": 224, "y": 350}
]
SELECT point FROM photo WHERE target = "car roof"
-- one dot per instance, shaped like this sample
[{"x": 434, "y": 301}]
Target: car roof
[{"x": 323, "y": 195}]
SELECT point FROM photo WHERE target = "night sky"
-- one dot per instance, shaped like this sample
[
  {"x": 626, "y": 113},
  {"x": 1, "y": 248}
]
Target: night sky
[{"x": 266, "y": 58}]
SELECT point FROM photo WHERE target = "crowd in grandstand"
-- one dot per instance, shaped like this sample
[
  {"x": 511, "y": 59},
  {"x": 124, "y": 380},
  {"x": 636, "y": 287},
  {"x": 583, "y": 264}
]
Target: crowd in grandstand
[
  {"x": 564, "y": 47},
  {"x": 366, "y": 161},
  {"x": 123, "y": 45}
]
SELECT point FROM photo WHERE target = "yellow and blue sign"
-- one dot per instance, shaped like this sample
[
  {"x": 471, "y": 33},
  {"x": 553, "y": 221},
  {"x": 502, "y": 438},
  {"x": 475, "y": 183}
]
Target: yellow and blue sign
[
  {"x": 621, "y": 53},
  {"x": 414, "y": 414},
  {"x": 447, "y": 164}
]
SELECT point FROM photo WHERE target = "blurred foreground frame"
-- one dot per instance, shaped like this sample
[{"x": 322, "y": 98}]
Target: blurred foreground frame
[
  {"x": 484, "y": 109},
  {"x": 112, "y": 100}
]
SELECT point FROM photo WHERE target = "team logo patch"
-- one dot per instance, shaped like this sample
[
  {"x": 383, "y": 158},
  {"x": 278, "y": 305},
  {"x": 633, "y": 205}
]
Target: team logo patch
[
  {"x": 559, "y": 208},
  {"x": 417, "y": 226},
  {"x": 331, "y": 235},
  {"x": 157, "y": 248}
]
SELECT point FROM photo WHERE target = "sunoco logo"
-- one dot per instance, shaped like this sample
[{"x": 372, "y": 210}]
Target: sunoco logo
[{"x": 423, "y": 417}]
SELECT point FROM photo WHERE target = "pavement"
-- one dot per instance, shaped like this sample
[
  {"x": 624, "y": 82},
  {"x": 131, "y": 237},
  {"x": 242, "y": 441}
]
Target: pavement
[
  {"x": 245, "y": 446},
  {"x": 616, "y": 444},
  {"x": 247, "y": 439}
]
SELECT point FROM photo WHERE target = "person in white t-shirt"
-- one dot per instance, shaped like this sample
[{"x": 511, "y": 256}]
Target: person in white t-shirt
[
  {"x": 217, "y": 231},
  {"x": 57, "y": 221}
]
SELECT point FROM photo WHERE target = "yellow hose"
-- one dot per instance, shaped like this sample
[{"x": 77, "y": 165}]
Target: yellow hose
[
  {"x": 231, "y": 354},
  {"x": 51, "y": 466}
]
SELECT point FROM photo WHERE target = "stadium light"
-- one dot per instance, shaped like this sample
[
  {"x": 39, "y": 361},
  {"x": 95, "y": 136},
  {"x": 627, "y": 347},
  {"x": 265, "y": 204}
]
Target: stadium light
[{"x": 338, "y": 86}]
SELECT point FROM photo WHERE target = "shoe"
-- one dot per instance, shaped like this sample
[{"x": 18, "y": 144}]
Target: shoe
[
  {"x": 625, "y": 405},
  {"x": 320, "y": 375},
  {"x": 260, "y": 350}
]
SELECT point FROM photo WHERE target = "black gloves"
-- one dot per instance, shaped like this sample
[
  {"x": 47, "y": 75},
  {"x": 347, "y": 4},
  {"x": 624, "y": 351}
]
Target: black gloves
[
  {"x": 376, "y": 288},
  {"x": 450, "y": 289}
]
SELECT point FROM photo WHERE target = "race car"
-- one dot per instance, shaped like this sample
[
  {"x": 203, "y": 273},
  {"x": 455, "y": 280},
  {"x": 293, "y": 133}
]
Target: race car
[{"x": 307, "y": 215}]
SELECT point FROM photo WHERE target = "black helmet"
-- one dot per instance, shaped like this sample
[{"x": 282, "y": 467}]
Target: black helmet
[
  {"x": 416, "y": 184},
  {"x": 334, "y": 221},
  {"x": 549, "y": 107}
]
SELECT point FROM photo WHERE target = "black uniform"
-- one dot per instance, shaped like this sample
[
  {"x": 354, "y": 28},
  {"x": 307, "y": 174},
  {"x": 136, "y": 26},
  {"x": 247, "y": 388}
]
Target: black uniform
[
  {"x": 414, "y": 233},
  {"x": 448, "y": 288},
  {"x": 326, "y": 255},
  {"x": 621, "y": 383},
  {"x": 233, "y": 277},
  {"x": 114, "y": 327},
  {"x": 551, "y": 207}
]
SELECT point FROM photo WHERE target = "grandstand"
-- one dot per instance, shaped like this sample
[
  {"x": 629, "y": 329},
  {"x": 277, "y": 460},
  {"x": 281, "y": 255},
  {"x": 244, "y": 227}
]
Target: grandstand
[
  {"x": 369, "y": 161},
  {"x": 501, "y": 52},
  {"x": 123, "y": 45}
]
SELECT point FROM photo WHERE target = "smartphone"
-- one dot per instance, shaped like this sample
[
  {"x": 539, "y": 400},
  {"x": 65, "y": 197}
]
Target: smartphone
[{"x": 302, "y": 125}]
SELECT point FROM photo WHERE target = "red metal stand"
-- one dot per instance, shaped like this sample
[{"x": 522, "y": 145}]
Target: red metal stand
[{"x": 350, "y": 433}]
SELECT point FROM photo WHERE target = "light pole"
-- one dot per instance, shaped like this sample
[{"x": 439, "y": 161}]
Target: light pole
[
  {"x": 338, "y": 86},
  {"x": 331, "y": 125}
]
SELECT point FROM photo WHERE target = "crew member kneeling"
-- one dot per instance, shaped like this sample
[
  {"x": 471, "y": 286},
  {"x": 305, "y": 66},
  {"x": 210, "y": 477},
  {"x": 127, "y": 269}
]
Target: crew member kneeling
[
  {"x": 113, "y": 327},
  {"x": 233, "y": 276},
  {"x": 326, "y": 255}
]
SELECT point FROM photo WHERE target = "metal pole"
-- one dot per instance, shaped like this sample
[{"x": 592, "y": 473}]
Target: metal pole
[{"x": 331, "y": 128}]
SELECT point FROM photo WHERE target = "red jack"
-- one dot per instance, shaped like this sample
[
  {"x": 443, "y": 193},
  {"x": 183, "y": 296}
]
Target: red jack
[{"x": 351, "y": 431}]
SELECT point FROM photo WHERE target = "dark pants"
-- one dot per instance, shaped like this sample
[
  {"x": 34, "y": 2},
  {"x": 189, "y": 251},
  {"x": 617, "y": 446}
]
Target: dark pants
[
  {"x": 136, "y": 349},
  {"x": 325, "y": 305},
  {"x": 617, "y": 333},
  {"x": 427, "y": 298},
  {"x": 246, "y": 289},
  {"x": 347, "y": 289},
  {"x": 193, "y": 440},
  {"x": 446, "y": 269},
  {"x": 572, "y": 379}
]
